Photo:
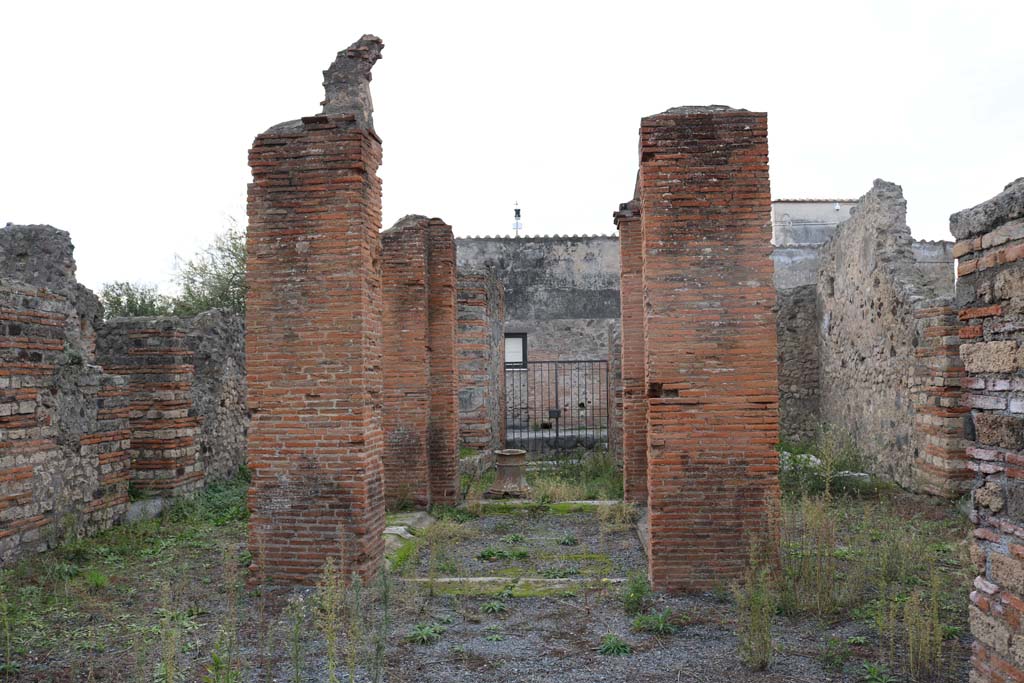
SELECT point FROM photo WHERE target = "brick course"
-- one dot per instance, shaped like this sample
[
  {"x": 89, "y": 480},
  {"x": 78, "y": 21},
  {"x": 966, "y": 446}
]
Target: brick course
[
  {"x": 990, "y": 246},
  {"x": 709, "y": 331},
  {"x": 313, "y": 349}
]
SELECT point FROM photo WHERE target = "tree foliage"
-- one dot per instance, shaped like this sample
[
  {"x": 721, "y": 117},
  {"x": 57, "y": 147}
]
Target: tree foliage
[
  {"x": 213, "y": 278},
  {"x": 127, "y": 299}
]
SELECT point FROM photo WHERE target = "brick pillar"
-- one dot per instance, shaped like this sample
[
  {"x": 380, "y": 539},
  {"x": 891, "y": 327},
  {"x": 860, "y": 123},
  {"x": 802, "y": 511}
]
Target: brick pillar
[
  {"x": 313, "y": 335},
  {"x": 480, "y": 342},
  {"x": 153, "y": 354},
  {"x": 443, "y": 427},
  {"x": 634, "y": 394},
  {"x": 406, "y": 363},
  {"x": 990, "y": 290},
  {"x": 941, "y": 466},
  {"x": 709, "y": 329}
]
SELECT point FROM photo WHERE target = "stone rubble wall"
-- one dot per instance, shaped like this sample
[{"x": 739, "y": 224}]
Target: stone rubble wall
[
  {"x": 481, "y": 350},
  {"x": 799, "y": 368},
  {"x": 882, "y": 380},
  {"x": 990, "y": 297}
]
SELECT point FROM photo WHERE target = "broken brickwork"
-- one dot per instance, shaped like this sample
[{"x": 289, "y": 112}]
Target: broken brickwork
[
  {"x": 186, "y": 380},
  {"x": 480, "y": 341},
  {"x": 313, "y": 335},
  {"x": 152, "y": 353},
  {"x": 419, "y": 383},
  {"x": 634, "y": 393},
  {"x": 990, "y": 295},
  {"x": 710, "y": 349}
]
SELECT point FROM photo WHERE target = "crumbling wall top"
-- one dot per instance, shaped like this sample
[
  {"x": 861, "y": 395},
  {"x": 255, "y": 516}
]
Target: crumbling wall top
[
  {"x": 1006, "y": 206},
  {"x": 347, "y": 81}
]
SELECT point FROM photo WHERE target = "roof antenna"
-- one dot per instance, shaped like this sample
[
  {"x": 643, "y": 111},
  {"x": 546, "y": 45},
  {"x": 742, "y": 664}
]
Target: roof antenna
[{"x": 518, "y": 224}]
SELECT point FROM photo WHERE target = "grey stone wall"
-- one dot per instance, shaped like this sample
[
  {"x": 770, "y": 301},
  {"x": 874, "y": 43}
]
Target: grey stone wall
[
  {"x": 217, "y": 341},
  {"x": 560, "y": 291},
  {"x": 799, "y": 388},
  {"x": 869, "y": 287}
]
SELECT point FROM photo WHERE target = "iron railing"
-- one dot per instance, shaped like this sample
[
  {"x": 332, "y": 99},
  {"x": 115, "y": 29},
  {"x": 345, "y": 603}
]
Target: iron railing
[{"x": 557, "y": 406}]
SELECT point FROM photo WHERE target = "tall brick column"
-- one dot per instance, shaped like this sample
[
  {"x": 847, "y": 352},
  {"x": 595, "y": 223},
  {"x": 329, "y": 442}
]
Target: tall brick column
[
  {"x": 420, "y": 385},
  {"x": 313, "y": 334},
  {"x": 990, "y": 291},
  {"x": 406, "y": 363},
  {"x": 634, "y": 393},
  {"x": 443, "y": 428},
  {"x": 709, "y": 329}
]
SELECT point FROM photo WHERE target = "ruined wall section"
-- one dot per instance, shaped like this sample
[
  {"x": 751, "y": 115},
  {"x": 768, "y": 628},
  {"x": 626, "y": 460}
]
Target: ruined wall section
[
  {"x": 990, "y": 294},
  {"x": 888, "y": 372},
  {"x": 710, "y": 351},
  {"x": 481, "y": 351}
]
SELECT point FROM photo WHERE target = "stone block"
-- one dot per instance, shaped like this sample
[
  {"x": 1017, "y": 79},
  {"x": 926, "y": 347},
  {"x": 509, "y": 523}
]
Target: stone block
[
  {"x": 993, "y": 356},
  {"x": 1004, "y": 431}
]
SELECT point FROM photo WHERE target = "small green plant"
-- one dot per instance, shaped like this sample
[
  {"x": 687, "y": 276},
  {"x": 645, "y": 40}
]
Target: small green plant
[
  {"x": 221, "y": 668},
  {"x": 636, "y": 594},
  {"x": 568, "y": 539},
  {"x": 660, "y": 624},
  {"x": 857, "y": 640},
  {"x": 495, "y": 554},
  {"x": 96, "y": 580},
  {"x": 494, "y": 635},
  {"x": 493, "y": 607},
  {"x": 755, "y": 605},
  {"x": 835, "y": 654},
  {"x": 330, "y": 613},
  {"x": 613, "y": 645},
  {"x": 512, "y": 539},
  {"x": 873, "y": 672},
  {"x": 424, "y": 634}
]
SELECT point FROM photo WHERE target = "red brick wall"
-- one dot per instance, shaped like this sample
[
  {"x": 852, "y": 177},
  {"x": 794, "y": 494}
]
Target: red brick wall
[
  {"x": 420, "y": 410},
  {"x": 941, "y": 464},
  {"x": 407, "y": 396},
  {"x": 63, "y": 428},
  {"x": 443, "y": 428},
  {"x": 990, "y": 289},
  {"x": 153, "y": 354},
  {"x": 711, "y": 376},
  {"x": 634, "y": 393},
  {"x": 313, "y": 349}
]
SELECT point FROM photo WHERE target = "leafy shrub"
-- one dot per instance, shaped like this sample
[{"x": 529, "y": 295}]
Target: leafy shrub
[{"x": 425, "y": 634}]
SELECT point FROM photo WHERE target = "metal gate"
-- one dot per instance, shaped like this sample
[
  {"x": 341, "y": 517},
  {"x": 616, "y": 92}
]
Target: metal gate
[{"x": 557, "y": 406}]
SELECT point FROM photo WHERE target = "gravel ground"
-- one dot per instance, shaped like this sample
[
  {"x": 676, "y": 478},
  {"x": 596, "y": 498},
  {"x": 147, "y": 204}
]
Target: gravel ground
[{"x": 599, "y": 551}]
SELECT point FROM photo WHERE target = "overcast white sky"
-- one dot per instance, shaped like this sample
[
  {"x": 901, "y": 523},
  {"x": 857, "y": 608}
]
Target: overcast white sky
[{"x": 128, "y": 124}]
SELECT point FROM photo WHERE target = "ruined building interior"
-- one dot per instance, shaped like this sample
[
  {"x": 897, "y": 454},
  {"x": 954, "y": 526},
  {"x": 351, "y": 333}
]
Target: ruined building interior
[{"x": 716, "y": 324}]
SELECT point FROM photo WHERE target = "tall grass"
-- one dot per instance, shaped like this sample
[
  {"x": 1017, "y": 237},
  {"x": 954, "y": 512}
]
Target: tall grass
[{"x": 756, "y": 603}]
